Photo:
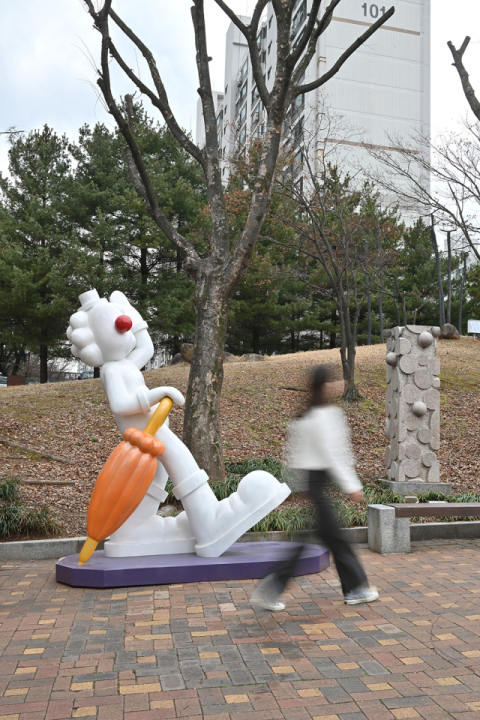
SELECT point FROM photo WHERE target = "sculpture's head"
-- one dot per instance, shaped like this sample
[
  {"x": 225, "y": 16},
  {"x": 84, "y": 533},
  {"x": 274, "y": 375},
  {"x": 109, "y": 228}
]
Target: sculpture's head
[{"x": 100, "y": 332}]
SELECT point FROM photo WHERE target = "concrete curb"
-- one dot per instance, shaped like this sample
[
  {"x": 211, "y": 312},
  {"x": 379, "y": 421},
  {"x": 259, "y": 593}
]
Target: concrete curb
[
  {"x": 419, "y": 532},
  {"x": 57, "y": 548},
  {"x": 42, "y": 549},
  {"x": 461, "y": 530}
]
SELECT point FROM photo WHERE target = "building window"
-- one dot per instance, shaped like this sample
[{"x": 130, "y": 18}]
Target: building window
[
  {"x": 269, "y": 73},
  {"x": 299, "y": 39},
  {"x": 241, "y": 97},
  {"x": 226, "y": 89},
  {"x": 255, "y": 94},
  {"x": 270, "y": 22},
  {"x": 243, "y": 115},
  {"x": 299, "y": 18},
  {"x": 225, "y": 112},
  {"x": 297, "y": 164},
  {"x": 256, "y": 116},
  {"x": 263, "y": 57},
  {"x": 294, "y": 111},
  {"x": 243, "y": 136},
  {"x": 269, "y": 48},
  {"x": 298, "y": 132},
  {"x": 243, "y": 91}
]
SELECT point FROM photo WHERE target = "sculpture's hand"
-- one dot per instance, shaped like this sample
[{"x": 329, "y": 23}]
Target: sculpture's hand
[{"x": 156, "y": 394}]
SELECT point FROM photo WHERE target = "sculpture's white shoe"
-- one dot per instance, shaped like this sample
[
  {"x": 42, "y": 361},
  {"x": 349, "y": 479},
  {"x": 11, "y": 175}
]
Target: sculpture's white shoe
[
  {"x": 156, "y": 536},
  {"x": 258, "y": 494},
  {"x": 217, "y": 525}
]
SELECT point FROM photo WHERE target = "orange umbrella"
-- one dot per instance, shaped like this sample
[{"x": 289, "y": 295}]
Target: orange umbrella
[{"x": 124, "y": 480}]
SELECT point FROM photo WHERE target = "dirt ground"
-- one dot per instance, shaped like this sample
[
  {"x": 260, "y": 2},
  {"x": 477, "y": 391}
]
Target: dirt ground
[{"x": 72, "y": 420}]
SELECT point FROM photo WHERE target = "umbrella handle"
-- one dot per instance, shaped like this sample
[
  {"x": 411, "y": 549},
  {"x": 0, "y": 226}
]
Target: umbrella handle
[{"x": 159, "y": 416}]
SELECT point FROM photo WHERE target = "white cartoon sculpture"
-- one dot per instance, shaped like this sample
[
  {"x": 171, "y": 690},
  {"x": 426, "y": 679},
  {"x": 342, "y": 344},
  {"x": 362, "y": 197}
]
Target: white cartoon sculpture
[{"x": 113, "y": 336}]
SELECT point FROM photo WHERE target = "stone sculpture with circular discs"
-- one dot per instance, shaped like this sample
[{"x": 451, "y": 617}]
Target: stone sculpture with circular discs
[{"x": 413, "y": 404}]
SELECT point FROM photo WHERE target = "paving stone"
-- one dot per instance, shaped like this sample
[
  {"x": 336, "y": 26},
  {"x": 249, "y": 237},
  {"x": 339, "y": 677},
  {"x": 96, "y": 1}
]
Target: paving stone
[
  {"x": 379, "y": 661},
  {"x": 372, "y": 667}
]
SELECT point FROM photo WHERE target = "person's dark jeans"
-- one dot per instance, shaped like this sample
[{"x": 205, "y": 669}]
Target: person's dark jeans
[{"x": 351, "y": 573}]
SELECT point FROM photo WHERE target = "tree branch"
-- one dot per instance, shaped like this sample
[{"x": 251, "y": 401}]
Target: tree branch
[
  {"x": 308, "y": 34},
  {"x": 468, "y": 90},
  {"x": 250, "y": 34},
  {"x": 104, "y": 82},
  {"x": 219, "y": 239},
  {"x": 132, "y": 168},
  {"x": 345, "y": 55},
  {"x": 233, "y": 17},
  {"x": 161, "y": 102},
  {"x": 312, "y": 45}
]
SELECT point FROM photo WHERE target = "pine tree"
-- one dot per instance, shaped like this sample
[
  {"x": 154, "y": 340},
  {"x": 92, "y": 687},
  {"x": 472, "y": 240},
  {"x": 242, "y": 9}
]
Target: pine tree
[{"x": 43, "y": 264}]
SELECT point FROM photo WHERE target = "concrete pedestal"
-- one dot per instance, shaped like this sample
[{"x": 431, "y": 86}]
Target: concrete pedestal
[
  {"x": 242, "y": 561},
  {"x": 387, "y": 534},
  {"x": 418, "y": 488}
]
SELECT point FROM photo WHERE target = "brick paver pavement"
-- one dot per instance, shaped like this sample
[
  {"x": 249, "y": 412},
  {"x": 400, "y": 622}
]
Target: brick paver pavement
[{"x": 201, "y": 650}]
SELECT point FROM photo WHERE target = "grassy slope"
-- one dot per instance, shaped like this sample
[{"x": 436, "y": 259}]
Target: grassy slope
[{"x": 73, "y": 420}]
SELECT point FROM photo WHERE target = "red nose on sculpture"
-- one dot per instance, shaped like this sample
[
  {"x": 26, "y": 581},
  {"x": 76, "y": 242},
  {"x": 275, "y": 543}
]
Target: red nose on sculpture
[{"x": 123, "y": 323}]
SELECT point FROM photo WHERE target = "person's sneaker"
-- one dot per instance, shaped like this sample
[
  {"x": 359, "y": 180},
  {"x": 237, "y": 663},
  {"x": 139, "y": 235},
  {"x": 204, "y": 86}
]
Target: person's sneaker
[
  {"x": 265, "y": 596},
  {"x": 361, "y": 595}
]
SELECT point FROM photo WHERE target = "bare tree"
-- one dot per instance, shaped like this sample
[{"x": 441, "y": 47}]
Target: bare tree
[
  {"x": 462, "y": 287},
  {"x": 438, "y": 263},
  {"x": 218, "y": 272},
  {"x": 440, "y": 177},
  {"x": 343, "y": 231},
  {"x": 468, "y": 90}
]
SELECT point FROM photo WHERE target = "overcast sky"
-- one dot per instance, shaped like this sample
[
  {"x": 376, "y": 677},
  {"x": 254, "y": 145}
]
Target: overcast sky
[{"x": 46, "y": 75}]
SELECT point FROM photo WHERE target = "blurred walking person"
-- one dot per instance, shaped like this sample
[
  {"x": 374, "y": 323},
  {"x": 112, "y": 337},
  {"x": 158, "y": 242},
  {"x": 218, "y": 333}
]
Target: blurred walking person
[{"x": 319, "y": 445}]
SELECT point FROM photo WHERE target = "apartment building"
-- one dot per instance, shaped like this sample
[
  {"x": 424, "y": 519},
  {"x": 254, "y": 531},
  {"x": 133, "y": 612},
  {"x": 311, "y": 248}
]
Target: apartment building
[{"x": 383, "y": 90}]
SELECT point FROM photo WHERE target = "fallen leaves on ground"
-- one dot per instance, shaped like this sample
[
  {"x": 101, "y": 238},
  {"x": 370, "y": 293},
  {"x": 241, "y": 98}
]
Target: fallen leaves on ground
[{"x": 73, "y": 420}]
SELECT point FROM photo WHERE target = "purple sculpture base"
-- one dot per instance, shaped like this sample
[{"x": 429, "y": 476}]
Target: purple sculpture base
[{"x": 243, "y": 561}]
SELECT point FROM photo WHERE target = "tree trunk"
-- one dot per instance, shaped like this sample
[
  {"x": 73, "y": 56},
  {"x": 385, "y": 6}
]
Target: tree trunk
[
  {"x": 43, "y": 363},
  {"x": 404, "y": 309},
  {"x": 347, "y": 352},
  {"x": 369, "y": 315},
  {"x": 396, "y": 310},
  {"x": 201, "y": 429},
  {"x": 256, "y": 341},
  {"x": 333, "y": 334},
  {"x": 292, "y": 340},
  {"x": 369, "y": 301},
  {"x": 19, "y": 356},
  {"x": 144, "y": 265},
  {"x": 449, "y": 278},
  {"x": 441, "y": 299},
  {"x": 380, "y": 299},
  {"x": 380, "y": 313},
  {"x": 351, "y": 393},
  {"x": 460, "y": 296}
]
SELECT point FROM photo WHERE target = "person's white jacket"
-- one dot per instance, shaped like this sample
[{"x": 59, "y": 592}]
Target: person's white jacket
[{"x": 320, "y": 440}]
